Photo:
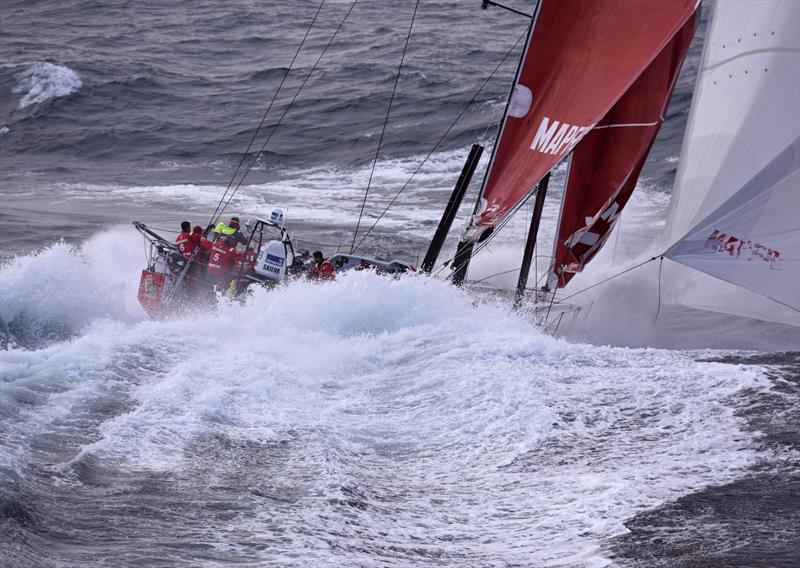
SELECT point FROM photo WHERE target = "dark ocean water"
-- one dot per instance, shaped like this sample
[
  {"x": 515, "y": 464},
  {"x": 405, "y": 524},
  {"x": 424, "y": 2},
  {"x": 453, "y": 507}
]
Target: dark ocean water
[
  {"x": 186, "y": 83},
  {"x": 365, "y": 423}
]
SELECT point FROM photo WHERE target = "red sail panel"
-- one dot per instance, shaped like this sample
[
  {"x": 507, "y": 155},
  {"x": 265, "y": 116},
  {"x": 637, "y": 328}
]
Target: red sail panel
[
  {"x": 581, "y": 57},
  {"x": 606, "y": 164}
]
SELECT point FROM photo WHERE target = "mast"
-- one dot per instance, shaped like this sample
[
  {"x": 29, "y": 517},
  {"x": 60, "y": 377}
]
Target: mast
[
  {"x": 530, "y": 243},
  {"x": 449, "y": 214}
]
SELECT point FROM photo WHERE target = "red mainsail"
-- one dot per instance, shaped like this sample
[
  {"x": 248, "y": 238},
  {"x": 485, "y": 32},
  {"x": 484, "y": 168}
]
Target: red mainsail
[
  {"x": 605, "y": 165},
  {"x": 581, "y": 57}
]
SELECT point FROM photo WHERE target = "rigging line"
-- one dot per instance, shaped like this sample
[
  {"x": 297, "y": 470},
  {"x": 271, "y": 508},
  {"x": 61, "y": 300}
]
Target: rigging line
[
  {"x": 501, "y": 273},
  {"x": 660, "y": 264},
  {"x": 558, "y": 324},
  {"x": 480, "y": 246},
  {"x": 611, "y": 277},
  {"x": 629, "y": 125},
  {"x": 443, "y": 136},
  {"x": 475, "y": 251},
  {"x": 286, "y": 110},
  {"x": 485, "y": 243},
  {"x": 164, "y": 230},
  {"x": 385, "y": 122},
  {"x": 214, "y": 215},
  {"x": 550, "y": 305},
  {"x": 291, "y": 102}
]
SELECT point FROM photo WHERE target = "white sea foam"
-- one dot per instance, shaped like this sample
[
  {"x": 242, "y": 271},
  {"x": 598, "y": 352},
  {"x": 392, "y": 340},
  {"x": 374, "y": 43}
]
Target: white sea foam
[
  {"x": 468, "y": 432},
  {"x": 43, "y": 81},
  {"x": 61, "y": 288}
]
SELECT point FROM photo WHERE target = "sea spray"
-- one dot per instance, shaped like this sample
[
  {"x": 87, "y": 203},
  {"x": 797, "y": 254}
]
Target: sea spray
[{"x": 53, "y": 293}]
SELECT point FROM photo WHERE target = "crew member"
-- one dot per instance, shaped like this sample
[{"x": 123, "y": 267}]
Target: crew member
[
  {"x": 321, "y": 269},
  {"x": 197, "y": 259},
  {"x": 231, "y": 229},
  {"x": 197, "y": 235},
  {"x": 222, "y": 259},
  {"x": 200, "y": 253},
  {"x": 186, "y": 241}
]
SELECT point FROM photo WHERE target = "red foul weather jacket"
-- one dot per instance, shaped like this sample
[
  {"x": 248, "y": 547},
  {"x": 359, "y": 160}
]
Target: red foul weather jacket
[
  {"x": 186, "y": 244},
  {"x": 221, "y": 258},
  {"x": 324, "y": 271}
]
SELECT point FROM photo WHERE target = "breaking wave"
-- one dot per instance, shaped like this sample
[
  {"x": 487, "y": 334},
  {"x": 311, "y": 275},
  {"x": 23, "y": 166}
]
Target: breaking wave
[
  {"x": 54, "y": 293},
  {"x": 43, "y": 81}
]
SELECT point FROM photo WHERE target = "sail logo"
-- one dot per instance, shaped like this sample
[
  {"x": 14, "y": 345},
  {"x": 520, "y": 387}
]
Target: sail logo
[
  {"x": 557, "y": 138},
  {"x": 733, "y": 246},
  {"x": 586, "y": 236}
]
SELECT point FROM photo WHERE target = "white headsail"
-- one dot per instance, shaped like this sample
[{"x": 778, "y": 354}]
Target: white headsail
[{"x": 736, "y": 204}]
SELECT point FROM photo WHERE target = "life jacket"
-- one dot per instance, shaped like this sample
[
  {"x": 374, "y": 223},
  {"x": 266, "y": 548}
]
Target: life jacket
[{"x": 186, "y": 244}]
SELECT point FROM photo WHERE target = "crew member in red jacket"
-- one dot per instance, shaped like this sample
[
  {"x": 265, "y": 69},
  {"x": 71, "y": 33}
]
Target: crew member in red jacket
[
  {"x": 222, "y": 259},
  {"x": 186, "y": 241},
  {"x": 322, "y": 269},
  {"x": 197, "y": 235}
]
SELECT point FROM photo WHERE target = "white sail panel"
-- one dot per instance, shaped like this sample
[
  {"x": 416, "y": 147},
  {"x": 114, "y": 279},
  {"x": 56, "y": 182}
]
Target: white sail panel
[
  {"x": 745, "y": 114},
  {"x": 746, "y": 106},
  {"x": 753, "y": 238}
]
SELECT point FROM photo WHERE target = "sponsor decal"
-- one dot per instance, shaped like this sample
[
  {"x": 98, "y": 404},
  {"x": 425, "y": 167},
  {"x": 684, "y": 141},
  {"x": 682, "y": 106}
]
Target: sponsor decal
[
  {"x": 274, "y": 259},
  {"x": 731, "y": 245},
  {"x": 557, "y": 138}
]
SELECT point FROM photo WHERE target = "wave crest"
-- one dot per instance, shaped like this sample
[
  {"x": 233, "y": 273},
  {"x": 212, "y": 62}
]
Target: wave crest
[
  {"x": 43, "y": 81},
  {"x": 53, "y": 294}
]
